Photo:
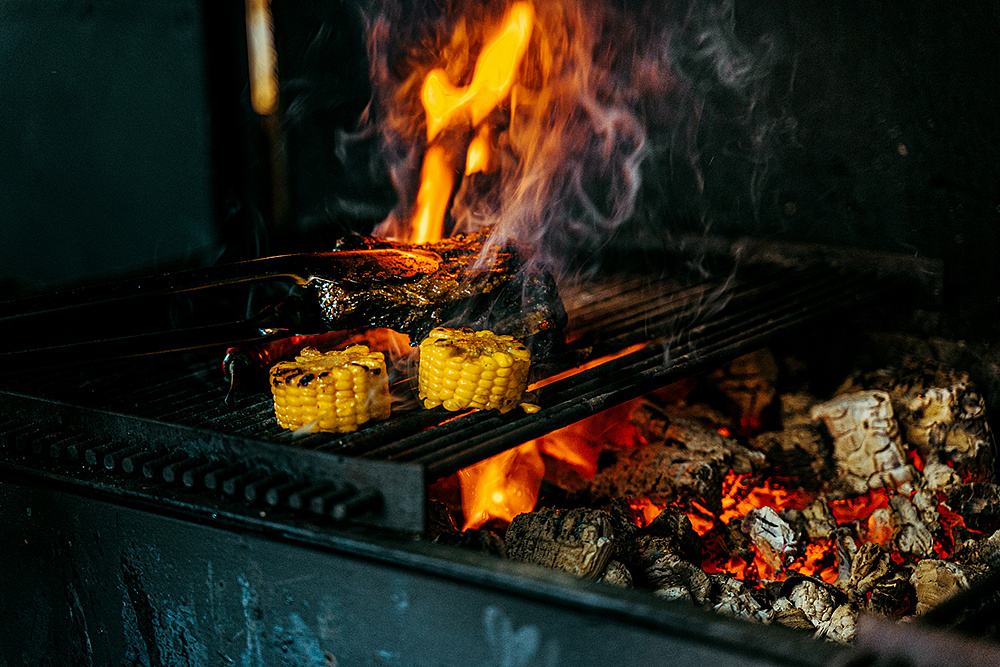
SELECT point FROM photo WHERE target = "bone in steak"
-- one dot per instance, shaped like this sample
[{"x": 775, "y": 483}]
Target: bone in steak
[{"x": 476, "y": 285}]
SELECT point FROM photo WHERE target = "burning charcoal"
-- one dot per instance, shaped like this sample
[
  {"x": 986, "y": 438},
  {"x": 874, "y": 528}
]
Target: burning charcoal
[
  {"x": 800, "y": 452},
  {"x": 732, "y": 598},
  {"x": 819, "y": 520},
  {"x": 893, "y": 595},
  {"x": 979, "y": 504},
  {"x": 443, "y": 530},
  {"x": 783, "y": 612},
  {"x": 673, "y": 578},
  {"x": 616, "y": 574},
  {"x": 676, "y": 526},
  {"x": 939, "y": 477},
  {"x": 815, "y": 601},
  {"x": 941, "y": 413},
  {"x": 847, "y": 550},
  {"x": 578, "y": 541},
  {"x": 770, "y": 534},
  {"x": 880, "y": 526},
  {"x": 866, "y": 444},
  {"x": 747, "y": 384},
  {"x": 691, "y": 461},
  {"x": 935, "y": 581},
  {"x": 909, "y": 533},
  {"x": 842, "y": 626},
  {"x": 870, "y": 564}
]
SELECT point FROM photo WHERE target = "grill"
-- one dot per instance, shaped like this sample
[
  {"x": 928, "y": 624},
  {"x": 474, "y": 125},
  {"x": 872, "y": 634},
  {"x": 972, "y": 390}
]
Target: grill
[
  {"x": 152, "y": 426},
  {"x": 148, "y": 520}
]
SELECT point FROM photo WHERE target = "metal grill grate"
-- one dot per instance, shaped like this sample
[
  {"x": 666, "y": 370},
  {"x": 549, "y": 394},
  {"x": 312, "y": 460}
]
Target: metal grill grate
[{"x": 140, "y": 426}]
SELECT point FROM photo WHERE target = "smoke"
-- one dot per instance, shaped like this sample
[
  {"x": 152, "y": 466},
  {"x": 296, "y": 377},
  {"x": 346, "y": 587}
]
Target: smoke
[{"x": 618, "y": 113}]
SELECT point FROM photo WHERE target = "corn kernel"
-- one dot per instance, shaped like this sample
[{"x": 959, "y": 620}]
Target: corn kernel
[
  {"x": 461, "y": 369},
  {"x": 331, "y": 391}
]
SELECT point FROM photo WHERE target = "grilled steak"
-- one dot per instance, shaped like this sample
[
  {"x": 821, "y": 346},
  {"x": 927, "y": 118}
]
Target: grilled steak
[{"x": 475, "y": 286}]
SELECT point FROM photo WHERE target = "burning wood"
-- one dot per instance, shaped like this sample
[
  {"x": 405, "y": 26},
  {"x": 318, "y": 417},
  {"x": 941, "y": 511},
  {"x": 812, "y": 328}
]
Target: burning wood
[
  {"x": 866, "y": 443},
  {"x": 577, "y": 541},
  {"x": 687, "y": 459},
  {"x": 692, "y": 518}
]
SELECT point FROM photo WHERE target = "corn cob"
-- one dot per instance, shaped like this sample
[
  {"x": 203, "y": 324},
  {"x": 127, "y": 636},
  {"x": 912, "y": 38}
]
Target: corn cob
[
  {"x": 330, "y": 391},
  {"x": 460, "y": 369}
]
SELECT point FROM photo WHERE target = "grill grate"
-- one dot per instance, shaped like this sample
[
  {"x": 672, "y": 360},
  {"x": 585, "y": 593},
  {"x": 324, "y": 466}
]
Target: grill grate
[{"x": 140, "y": 426}]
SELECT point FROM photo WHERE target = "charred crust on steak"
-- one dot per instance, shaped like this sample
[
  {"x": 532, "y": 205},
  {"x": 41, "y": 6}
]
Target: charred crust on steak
[{"x": 477, "y": 285}]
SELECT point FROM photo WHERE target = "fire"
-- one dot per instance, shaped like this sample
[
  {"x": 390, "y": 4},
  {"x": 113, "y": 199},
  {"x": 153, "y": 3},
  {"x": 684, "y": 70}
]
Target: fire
[
  {"x": 501, "y": 487},
  {"x": 446, "y": 105},
  {"x": 492, "y": 77}
]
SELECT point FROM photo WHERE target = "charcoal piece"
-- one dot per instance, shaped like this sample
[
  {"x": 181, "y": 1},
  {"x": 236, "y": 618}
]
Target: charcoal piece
[
  {"x": 892, "y": 595},
  {"x": 934, "y": 581},
  {"x": 816, "y": 601},
  {"x": 910, "y": 534},
  {"x": 675, "y": 526},
  {"x": 795, "y": 409},
  {"x": 980, "y": 557},
  {"x": 579, "y": 541},
  {"x": 673, "y": 578},
  {"x": 800, "y": 452},
  {"x": 476, "y": 285},
  {"x": 442, "y": 529},
  {"x": 979, "y": 505},
  {"x": 941, "y": 413},
  {"x": 818, "y": 520},
  {"x": 842, "y": 626},
  {"x": 939, "y": 477},
  {"x": 690, "y": 462},
  {"x": 871, "y": 563},
  {"x": 867, "y": 449},
  {"x": 783, "y": 612},
  {"x": 747, "y": 385},
  {"x": 847, "y": 550},
  {"x": 731, "y": 597},
  {"x": 880, "y": 526},
  {"x": 616, "y": 574},
  {"x": 773, "y": 538}
]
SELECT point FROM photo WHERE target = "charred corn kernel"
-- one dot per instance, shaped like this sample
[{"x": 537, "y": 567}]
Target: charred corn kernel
[
  {"x": 460, "y": 369},
  {"x": 330, "y": 391}
]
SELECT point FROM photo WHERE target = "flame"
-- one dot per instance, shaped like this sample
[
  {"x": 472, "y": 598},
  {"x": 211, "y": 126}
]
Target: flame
[
  {"x": 502, "y": 486},
  {"x": 477, "y": 158},
  {"x": 492, "y": 77},
  {"x": 436, "y": 181},
  {"x": 448, "y": 105}
]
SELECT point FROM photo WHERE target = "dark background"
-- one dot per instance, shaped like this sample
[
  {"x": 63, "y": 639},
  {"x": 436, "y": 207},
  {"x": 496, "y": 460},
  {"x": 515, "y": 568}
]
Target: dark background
[{"x": 128, "y": 144}]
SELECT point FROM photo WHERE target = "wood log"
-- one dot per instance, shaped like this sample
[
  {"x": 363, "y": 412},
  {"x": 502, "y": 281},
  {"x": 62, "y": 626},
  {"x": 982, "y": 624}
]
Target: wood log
[
  {"x": 578, "y": 541},
  {"x": 867, "y": 449},
  {"x": 934, "y": 581},
  {"x": 690, "y": 461}
]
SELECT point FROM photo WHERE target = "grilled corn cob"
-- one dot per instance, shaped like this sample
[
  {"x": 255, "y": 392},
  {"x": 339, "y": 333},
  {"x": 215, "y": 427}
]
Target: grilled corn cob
[
  {"x": 330, "y": 391},
  {"x": 460, "y": 369}
]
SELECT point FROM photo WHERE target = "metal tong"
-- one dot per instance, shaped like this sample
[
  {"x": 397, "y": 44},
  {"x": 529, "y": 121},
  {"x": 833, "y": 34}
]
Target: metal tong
[{"x": 132, "y": 318}]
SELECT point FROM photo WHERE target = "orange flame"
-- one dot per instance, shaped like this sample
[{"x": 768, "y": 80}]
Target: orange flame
[
  {"x": 492, "y": 77},
  {"x": 436, "y": 181},
  {"x": 445, "y": 105},
  {"x": 501, "y": 487}
]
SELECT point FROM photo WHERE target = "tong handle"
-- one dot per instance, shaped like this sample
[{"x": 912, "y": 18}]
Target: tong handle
[{"x": 371, "y": 265}]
